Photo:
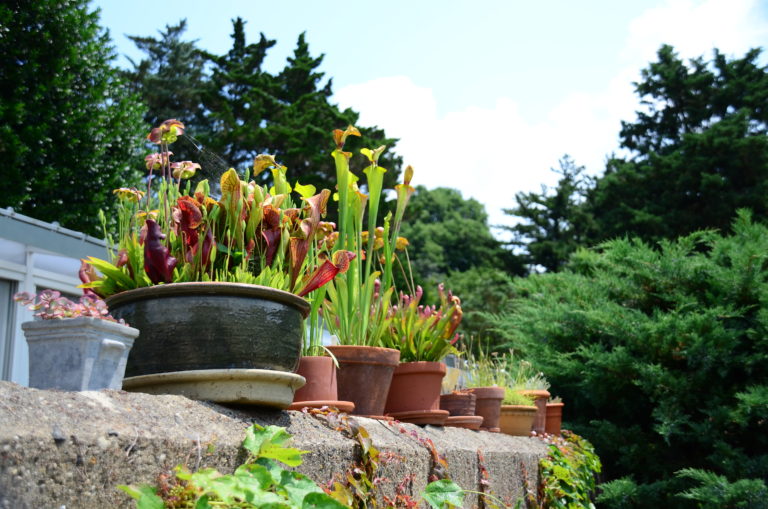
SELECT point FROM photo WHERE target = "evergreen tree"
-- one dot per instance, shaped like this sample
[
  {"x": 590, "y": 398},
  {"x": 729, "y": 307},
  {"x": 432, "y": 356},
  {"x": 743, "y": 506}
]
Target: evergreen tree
[
  {"x": 171, "y": 81},
  {"x": 699, "y": 150},
  {"x": 68, "y": 125},
  {"x": 240, "y": 100},
  {"x": 448, "y": 234},
  {"x": 554, "y": 221},
  {"x": 661, "y": 357}
]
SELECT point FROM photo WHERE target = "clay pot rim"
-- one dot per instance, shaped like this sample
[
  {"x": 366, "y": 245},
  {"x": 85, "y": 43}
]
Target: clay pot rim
[
  {"x": 556, "y": 404},
  {"x": 488, "y": 392},
  {"x": 525, "y": 408},
  {"x": 362, "y": 354},
  {"x": 213, "y": 288},
  {"x": 536, "y": 393},
  {"x": 407, "y": 368}
]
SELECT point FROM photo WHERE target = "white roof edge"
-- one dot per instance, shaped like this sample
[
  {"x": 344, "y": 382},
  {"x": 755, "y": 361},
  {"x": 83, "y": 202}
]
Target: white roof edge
[{"x": 54, "y": 227}]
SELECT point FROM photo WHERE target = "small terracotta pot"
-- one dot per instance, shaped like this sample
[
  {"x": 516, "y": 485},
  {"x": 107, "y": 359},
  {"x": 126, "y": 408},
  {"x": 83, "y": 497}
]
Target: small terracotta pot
[
  {"x": 554, "y": 418},
  {"x": 458, "y": 403},
  {"x": 415, "y": 387},
  {"x": 320, "y": 373},
  {"x": 540, "y": 400},
  {"x": 517, "y": 419},
  {"x": 488, "y": 405},
  {"x": 364, "y": 376}
]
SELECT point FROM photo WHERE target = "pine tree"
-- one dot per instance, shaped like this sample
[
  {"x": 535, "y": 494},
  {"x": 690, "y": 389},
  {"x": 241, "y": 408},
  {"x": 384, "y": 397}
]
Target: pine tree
[
  {"x": 699, "y": 150},
  {"x": 554, "y": 221},
  {"x": 68, "y": 125},
  {"x": 171, "y": 80}
]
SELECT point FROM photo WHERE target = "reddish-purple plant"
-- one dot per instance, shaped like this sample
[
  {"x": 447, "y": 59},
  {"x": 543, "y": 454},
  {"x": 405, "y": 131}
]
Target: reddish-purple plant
[{"x": 50, "y": 305}]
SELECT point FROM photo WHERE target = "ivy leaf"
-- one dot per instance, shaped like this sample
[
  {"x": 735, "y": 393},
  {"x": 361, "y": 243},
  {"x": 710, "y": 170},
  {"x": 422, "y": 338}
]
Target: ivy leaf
[
  {"x": 443, "y": 493},
  {"x": 321, "y": 501},
  {"x": 270, "y": 443},
  {"x": 145, "y": 495},
  {"x": 297, "y": 486}
]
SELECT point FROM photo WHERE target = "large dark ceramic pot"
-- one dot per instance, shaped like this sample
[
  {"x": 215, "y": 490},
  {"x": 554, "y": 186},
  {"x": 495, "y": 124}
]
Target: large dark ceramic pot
[{"x": 211, "y": 326}]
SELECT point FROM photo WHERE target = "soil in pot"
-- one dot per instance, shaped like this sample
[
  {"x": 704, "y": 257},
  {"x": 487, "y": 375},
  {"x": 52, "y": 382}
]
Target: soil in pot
[
  {"x": 517, "y": 419},
  {"x": 458, "y": 403},
  {"x": 554, "y": 418},
  {"x": 364, "y": 376},
  {"x": 488, "y": 405}
]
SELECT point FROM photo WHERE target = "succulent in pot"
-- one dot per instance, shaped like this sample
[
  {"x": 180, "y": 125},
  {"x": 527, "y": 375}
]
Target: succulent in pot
[{"x": 75, "y": 346}]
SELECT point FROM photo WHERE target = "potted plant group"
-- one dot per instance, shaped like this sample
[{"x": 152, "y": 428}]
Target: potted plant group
[
  {"x": 356, "y": 310},
  {"x": 216, "y": 281},
  {"x": 75, "y": 346},
  {"x": 424, "y": 335},
  {"x": 533, "y": 384}
]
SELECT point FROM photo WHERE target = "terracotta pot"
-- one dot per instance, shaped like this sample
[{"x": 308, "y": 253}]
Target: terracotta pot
[
  {"x": 320, "y": 373},
  {"x": 488, "y": 405},
  {"x": 364, "y": 376},
  {"x": 540, "y": 400},
  {"x": 415, "y": 386},
  {"x": 554, "y": 418},
  {"x": 517, "y": 419},
  {"x": 458, "y": 403}
]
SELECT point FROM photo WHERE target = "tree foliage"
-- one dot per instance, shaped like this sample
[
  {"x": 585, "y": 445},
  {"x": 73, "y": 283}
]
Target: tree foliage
[
  {"x": 699, "y": 150},
  {"x": 554, "y": 222},
  {"x": 68, "y": 125},
  {"x": 696, "y": 153},
  {"x": 661, "y": 356},
  {"x": 450, "y": 240},
  {"x": 235, "y": 109}
]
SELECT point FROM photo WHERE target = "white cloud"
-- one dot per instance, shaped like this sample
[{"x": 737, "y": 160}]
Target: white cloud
[{"x": 492, "y": 153}]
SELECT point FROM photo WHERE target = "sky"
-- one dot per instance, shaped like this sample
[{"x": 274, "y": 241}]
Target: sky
[{"x": 485, "y": 96}]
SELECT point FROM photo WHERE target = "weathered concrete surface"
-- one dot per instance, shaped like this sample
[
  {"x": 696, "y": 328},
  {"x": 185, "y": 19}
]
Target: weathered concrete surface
[{"x": 70, "y": 449}]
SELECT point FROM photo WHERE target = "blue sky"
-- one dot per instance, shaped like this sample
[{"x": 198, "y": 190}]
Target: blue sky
[{"x": 486, "y": 96}]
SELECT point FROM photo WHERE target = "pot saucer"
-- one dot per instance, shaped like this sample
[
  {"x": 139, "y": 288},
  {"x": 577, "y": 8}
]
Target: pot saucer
[
  {"x": 341, "y": 406},
  {"x": 491, "y": 430},
  {"x": 433, "y": 417},
  {"x": 238, "y": 386},
  {"x": 464, "y": 421}
]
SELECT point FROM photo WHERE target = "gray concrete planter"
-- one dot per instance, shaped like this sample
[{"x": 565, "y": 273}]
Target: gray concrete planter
[{"x": 77, "y": 354}]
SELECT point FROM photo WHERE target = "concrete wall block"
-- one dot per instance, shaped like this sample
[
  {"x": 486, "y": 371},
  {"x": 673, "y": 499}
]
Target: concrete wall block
[{"x": 71, "y": 449}]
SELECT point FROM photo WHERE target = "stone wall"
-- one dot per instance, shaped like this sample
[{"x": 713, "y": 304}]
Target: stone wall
[{"x": 71, "y": 449}]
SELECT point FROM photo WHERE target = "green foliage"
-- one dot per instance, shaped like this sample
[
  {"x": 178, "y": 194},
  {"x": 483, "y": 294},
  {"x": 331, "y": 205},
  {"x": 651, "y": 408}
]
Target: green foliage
[
  {"x": 171, "y": 81},
  {"x": 238, "y": 110},
  {"x": 67, "y": 122},
  {"x": 715, "y": 492},
  {"x": 661, "y": 354},
  {"x": 423, "y": 333},
  {"x": 568, "y": 473},
  {"x": 447, "y": 233},
  {"x": 699, "y": 150},
  {"x": 259, "y": 482},
  {"x": 554, "y": 222}
]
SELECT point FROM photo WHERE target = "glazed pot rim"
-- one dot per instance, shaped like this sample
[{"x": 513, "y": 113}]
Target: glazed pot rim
[{"x": 212, "y": 288}]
